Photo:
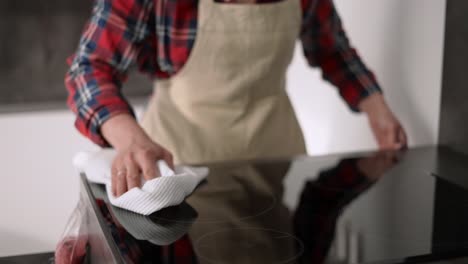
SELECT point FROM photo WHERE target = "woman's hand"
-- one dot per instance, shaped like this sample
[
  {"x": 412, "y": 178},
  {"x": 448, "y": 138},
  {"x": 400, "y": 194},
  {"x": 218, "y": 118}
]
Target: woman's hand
[
  {"x": 137, "y": 160},
  {"x": 388, "y": 131},
  {"x": 136, "y": 156}
]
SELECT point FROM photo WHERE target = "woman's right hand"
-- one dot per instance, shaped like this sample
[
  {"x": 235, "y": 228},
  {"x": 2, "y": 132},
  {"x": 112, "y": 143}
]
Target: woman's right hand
[
  {"x": 136, "y": 161},
  {"x": 137, "y": 154}
]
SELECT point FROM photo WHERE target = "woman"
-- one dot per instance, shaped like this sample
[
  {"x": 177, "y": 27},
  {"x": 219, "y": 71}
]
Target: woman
[{"x": 220, "y": 69}]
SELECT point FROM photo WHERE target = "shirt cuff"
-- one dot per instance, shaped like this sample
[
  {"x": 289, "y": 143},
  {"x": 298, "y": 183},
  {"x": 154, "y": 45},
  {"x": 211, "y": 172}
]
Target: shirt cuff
[
  {"x": 355, "y": 96},
  {"x": 91, "y": 117}
]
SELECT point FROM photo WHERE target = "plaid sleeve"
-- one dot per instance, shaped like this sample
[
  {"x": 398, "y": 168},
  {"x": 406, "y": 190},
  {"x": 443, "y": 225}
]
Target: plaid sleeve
[
  {"x": 111, "y": 42},
  {"x": 326, "y": 46}
]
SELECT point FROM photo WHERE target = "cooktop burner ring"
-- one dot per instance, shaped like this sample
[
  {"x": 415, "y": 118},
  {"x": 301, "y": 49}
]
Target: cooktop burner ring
[{"x": 298, "y": 245}]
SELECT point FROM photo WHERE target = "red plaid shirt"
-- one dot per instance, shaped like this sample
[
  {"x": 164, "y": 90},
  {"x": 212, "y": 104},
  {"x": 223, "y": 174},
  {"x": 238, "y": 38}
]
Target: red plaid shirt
[{"x": 158, "y": 36}]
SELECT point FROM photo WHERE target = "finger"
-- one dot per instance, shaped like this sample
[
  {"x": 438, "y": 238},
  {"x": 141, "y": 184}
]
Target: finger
[
  {"x": 169, "y": 159},
  {"x": 396, "y": 144},
  {"x": 381, "y": 144},
  {"x": 121, "y": 184},
  {"x": 117, "y": 171},
  {"x": 391, "y": 139},
  {"x": 133, "y": 173},
  {"x": 386, "y": 139},
  {"x": 399, "y": 140},
  {"x": 114, "y": 179},
  {"x": 402, "y": 137},
  {"x": 147, "y": 163}
]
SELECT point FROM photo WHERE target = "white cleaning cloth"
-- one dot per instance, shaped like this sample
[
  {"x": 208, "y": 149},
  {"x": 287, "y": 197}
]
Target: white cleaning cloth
[{"x": 168, "y": 190}]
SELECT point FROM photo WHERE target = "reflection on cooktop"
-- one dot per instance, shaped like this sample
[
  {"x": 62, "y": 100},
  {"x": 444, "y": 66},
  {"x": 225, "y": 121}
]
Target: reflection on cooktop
[
  {"x": 380, "y": 207},
  {"x": 152, "y": 228},
  {"x": 234, "y": 192},
  {"x": 253, "y": 245}
]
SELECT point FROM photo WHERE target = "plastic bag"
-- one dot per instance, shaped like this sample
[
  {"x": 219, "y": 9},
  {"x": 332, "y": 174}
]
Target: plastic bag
[{"x": 72, "y": 246}]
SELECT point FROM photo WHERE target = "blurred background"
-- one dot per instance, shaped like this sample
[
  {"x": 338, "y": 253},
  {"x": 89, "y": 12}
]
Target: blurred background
[{"x": 401, "y": 41}]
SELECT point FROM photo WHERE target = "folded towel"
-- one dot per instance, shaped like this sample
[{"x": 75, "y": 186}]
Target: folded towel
[{"x": 168, "y": 190}]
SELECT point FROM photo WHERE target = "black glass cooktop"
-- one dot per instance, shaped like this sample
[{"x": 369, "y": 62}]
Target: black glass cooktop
[{"x": 385, "y": 207}]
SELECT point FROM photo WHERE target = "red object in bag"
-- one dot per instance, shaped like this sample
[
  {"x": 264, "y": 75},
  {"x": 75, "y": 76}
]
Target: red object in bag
[{"x": 71, "y": 248}]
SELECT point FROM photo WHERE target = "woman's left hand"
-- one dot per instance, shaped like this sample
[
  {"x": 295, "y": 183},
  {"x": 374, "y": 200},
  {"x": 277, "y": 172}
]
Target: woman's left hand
[{"x": 388, "y": 131}]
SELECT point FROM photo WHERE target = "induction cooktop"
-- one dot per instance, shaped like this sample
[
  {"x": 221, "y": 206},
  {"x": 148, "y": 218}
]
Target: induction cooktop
[{"x": 383, "y": 207}]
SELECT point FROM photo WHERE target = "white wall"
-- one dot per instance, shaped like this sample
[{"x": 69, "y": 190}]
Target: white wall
[
  {"x": 39, "y": 185},
  {"x": 401, "y": 40}
]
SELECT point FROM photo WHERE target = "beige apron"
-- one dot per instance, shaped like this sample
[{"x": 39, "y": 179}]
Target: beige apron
[{"x": 229, "y": 102}]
